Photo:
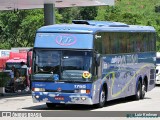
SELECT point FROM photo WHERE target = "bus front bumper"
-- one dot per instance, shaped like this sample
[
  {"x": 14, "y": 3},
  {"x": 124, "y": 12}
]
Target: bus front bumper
[{"x": 62, "y": 98}]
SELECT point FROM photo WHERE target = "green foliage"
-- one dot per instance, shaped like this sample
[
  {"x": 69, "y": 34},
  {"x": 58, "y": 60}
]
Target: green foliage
[
  {"x": 77, "y": 13},
  {"x": 29, "y": 25},
  {"x": 88, "y": 13},
  {"x": 68, "y": 14},
  {"x": 18, "y": 28},
  {"x": 140, "y": 12},
  {"x": 4, "y": 78}
]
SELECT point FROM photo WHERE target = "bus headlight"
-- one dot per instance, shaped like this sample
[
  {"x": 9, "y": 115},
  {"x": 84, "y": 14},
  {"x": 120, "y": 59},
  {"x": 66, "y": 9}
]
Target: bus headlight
[
  {"x": 82, "y": 91},
  {"x": 38, "y": 89}
]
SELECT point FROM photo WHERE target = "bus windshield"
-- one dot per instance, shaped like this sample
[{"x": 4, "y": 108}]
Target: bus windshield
[
  {"x": 10, "y": 64},
  {"x": 68, "y": 65}
]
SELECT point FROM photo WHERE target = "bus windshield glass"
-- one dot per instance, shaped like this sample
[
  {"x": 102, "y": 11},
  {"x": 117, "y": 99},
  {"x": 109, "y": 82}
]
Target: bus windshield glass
[
  {"x": 10, "y": 64},
  {"x": 68, "y": 65}
]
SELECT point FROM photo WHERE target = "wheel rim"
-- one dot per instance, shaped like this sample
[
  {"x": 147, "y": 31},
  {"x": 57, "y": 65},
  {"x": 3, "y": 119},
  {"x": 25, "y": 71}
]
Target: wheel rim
[
  {"x": 143, "y": 89},
  {"x": 138, "y": 91},
  {"x": 102, "y": 98}
]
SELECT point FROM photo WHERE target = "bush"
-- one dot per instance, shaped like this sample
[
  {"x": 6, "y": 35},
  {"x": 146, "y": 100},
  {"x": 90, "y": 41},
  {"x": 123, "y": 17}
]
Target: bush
[{"x": 4, "y": 78}]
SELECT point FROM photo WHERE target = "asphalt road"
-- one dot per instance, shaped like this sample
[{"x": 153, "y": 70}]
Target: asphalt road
[{"x": 24, "y": 103}]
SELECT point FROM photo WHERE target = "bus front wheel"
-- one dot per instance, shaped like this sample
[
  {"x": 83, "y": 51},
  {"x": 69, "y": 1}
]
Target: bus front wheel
[{"x": 102, "y": 98}]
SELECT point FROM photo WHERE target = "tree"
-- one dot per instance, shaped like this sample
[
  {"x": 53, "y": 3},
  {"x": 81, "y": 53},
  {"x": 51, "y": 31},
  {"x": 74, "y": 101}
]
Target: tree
[
  {"x": 88, "y": 13},
  {"x": 11, "y": 28},
  {"x": 18, "y": 28}
]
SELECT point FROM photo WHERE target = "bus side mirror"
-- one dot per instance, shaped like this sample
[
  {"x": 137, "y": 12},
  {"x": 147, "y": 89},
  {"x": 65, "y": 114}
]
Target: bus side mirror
[{"x": 97, "y": 59}]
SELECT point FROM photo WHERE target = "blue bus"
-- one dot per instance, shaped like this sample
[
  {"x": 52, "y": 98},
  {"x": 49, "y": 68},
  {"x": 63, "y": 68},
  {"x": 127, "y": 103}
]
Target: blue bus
[{"x": 91, "y": 62}]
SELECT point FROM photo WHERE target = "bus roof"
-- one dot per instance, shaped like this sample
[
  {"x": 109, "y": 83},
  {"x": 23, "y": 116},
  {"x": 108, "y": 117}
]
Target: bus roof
[{"x": 84, "y": 26}]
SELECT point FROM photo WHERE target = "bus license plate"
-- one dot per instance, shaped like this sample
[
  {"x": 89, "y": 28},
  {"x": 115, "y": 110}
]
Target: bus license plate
[{"x": 59, "y": 98}]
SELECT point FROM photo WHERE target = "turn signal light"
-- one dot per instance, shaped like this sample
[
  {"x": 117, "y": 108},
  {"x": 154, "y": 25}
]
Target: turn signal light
[{"x": 87, "y": 91}]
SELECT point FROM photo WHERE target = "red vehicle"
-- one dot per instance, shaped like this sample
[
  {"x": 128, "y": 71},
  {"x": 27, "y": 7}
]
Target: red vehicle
[
  {"x": 15, "y": 60},
  {"x": 3, "y": 63}
]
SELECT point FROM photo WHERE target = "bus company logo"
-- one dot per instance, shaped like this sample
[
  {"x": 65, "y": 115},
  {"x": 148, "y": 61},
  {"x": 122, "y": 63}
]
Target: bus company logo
[
  {"x": 59, "y": 89},
  {"x": 65, "y": 40}
]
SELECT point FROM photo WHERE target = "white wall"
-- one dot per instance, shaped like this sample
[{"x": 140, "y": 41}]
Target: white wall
[{"x": 4, "y": 53}]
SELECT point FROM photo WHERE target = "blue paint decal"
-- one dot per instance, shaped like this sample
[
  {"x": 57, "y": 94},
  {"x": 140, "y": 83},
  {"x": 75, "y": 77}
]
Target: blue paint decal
[
  {"x": 123, "y": 71},
  {"x": 62, "y": 93},
  {"x": 61, "y": 40}
]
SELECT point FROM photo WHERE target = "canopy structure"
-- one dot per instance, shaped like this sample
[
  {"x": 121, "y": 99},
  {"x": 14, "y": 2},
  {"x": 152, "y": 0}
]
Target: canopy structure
[
  {"x": 31, "y": 4},
  {"x": 49, "y": 5}
]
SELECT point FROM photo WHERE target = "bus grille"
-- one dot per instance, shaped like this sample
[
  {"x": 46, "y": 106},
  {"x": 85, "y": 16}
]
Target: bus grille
[{"x": 63, "y": 91}]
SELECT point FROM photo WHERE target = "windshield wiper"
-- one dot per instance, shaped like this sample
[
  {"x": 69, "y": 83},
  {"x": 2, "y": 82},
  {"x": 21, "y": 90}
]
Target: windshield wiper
[
  {"x": 75, "y": 81},
  {"x": 69, "y": 81},
  {"x": 50, "y": 77}
]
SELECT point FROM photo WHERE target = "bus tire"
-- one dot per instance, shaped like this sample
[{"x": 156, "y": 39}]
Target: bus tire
[
  {"x": 138, "y": 94},
  {"x": 144, "y": 90},
  {"x": 102, "y": 98},
  {"x": 51, "y": 105}
]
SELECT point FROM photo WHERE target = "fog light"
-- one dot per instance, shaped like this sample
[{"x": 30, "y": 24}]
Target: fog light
[
  {"x": 37, "y": 96},
  {"x": 83, "y": 98}
]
